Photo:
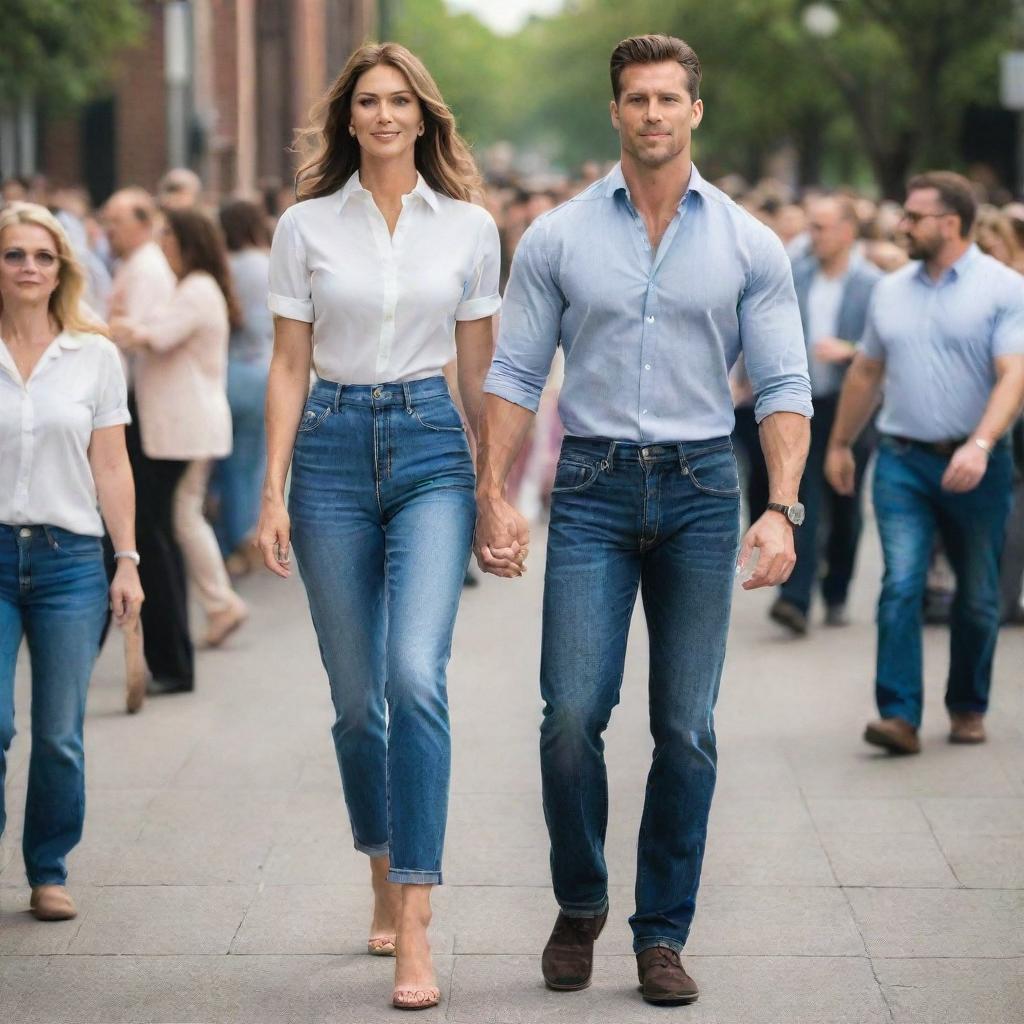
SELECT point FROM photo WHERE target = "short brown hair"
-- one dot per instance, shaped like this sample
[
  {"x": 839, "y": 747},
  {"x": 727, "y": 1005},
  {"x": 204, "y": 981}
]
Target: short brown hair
[
  {"x": 955, "y": 193},
  {"x": 656, "y": 49},
  {"x": 244, "y": 225}
]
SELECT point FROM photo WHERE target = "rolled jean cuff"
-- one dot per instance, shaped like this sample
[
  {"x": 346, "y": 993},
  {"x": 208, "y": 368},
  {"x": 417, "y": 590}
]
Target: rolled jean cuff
[
  {"x": 371, "y": 851},
  {"x": 403, "y": 877},
  {"x": 650, "y": 941},
  {"x": 583, "y": 909},
  {"x": 47, "y": 878}
]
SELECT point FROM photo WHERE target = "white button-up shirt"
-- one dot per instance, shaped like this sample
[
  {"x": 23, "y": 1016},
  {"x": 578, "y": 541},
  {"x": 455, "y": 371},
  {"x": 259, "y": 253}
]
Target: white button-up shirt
[
  {"x": 383, "y": 308},
  {"x": 46, "y": 424}
]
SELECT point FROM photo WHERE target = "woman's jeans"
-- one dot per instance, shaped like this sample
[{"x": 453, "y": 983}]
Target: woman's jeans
[
  {"x": 663, "y": 518},
  {"x": 238, "y": 479},
  {"x": 53, "y": 590},
  {"x": 382, "y": 509},
  {"x": 910, "y": 506}
]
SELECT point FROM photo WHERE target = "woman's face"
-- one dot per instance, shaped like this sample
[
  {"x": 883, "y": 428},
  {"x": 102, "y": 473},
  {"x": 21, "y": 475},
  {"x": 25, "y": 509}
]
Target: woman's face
[
  {"x": 172, "y": 251},
  {"x": 29, "y": 265},
  {"x": 990, "y": 242},
  {"x": 386, "y": 114}
]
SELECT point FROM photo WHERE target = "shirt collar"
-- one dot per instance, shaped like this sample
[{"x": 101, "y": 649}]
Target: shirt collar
[
  {"x": 954, "y": 272},
  {"x": 353, "y": 185},
  {"x": 63, "y": 341},
  {"x": 615, "y": 183}
]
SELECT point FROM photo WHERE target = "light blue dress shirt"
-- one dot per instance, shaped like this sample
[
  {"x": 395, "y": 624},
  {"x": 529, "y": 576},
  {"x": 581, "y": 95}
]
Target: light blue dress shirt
[
  {"x": 650, "y": 337},
  {"x": 938, "y": 340}
]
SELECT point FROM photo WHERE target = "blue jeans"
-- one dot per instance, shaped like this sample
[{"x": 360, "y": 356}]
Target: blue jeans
[
  {"x": 53, "y": 590},
  {"x": 665, "y": 519},
  {"x": 238, "y": 478},
  {"x": 383, "y": 510},
  {"x": 910, "y": 505}
]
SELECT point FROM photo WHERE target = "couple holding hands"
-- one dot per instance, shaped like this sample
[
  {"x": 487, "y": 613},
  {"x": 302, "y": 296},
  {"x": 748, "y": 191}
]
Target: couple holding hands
[{"x": 653, "y": 282}]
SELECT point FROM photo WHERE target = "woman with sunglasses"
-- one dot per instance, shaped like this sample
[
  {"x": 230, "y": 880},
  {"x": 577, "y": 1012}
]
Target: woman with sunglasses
[{"x": 63, "y": 407}]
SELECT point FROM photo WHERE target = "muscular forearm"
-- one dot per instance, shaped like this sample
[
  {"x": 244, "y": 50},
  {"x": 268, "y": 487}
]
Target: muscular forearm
[
  {"x": 857, "y": 401},
  {"x": 785, "y": 439},
  {"x": 1004, "y": 406},
  {"x": 503, "y": 429},
  {"x": 287, "y": 388}
]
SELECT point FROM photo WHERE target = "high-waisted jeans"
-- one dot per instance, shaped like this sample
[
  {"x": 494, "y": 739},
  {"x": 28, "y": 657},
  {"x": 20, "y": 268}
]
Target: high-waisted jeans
[
  {"x": 663, "y": 518},
  {"x": 382, "y": 508},
  {"x": 53, "y": 591}
]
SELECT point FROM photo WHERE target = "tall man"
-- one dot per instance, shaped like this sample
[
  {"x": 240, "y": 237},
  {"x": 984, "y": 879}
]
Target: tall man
[
  {"x": 833, "y": 287},
  {"x": 653, "y": 281},
  {"x": 945, "y": 336}
]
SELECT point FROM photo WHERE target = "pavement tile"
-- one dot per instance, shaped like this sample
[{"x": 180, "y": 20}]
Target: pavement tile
[
  {"x": 977, "y": 816},
  {"x": 867, "y": 816},
  {"x": 874, "y": 859},
  {"x": 759, "y": 814},
  {"x": 162, "y": 919},
  {"x": 21, "y": 933},
  {"x": 985, "y": 862},
  {"x": 765, "y": 858},
  {"x": 734, "y": 990},
  {"x": 325, "y": 858},
  {"x": 939, "y": 922},
  {"x": 951, "y": 991}
]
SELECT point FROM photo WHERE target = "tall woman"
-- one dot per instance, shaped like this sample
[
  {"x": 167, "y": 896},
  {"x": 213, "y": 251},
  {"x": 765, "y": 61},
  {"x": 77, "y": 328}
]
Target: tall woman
[
  {"x": 180, "y": 377},
  {"x": 63, "y": 406},
  {"x": 380, "y": 274}
]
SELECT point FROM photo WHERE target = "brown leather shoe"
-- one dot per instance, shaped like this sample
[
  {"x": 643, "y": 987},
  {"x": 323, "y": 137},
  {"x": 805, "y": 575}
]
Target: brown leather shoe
[
  {"x": 895, "y": 735},
  {"x": 52, "y": 903},
  {"x": 568, "y": 958},
  {"x": 663, "y": 981},
  {"x": 967, "y": 727}
]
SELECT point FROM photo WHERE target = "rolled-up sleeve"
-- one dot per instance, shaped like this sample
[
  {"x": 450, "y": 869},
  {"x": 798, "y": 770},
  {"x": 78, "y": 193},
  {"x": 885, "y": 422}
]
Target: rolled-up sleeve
[
  {"x": 480, "y": 296},
  {"x": 771, "y": 335},
  {"x": 1008, "y": 336},
  {"x": 290, "y": 289},
  {"x": 530, "y": 325},
  {"x": 111, "y": 404}
]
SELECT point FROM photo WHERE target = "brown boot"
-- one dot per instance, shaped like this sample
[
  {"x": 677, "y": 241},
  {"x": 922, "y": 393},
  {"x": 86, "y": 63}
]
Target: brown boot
[
  {"x": 967, "y": 727},
  {"x": 663, "y": 981},
  {"x": 895, "y": 735},
  {"x": 568, "y": 958},
  {"x": 52, "y": 903}
]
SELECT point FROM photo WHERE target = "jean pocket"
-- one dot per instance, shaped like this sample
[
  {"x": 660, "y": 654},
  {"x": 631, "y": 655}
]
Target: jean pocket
[
  {"x": 312, "y": 416},
  {"x": 714, "y": 472},
  {"x": 73, "y": 545},
  {"x": 437, "y": 414},
  {"x": 575, "y": 474}
]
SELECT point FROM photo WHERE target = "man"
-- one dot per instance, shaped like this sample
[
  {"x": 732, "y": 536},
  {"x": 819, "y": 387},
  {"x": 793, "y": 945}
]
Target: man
[
  {"x": 833, "y": 286},
  {"x": 143, "y": 281},
  {"x": 945, "y": 336},
  {"x": 652, "y": 281},
  {"x": 179, "y": 189}
]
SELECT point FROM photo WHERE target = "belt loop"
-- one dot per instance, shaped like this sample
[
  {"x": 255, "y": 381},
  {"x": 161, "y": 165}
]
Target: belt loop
[
  {"x": 49, "y": 537},
  {"x": 408, "y": 398},
  {"x": 337, "y": 397},
  {"x": 683, "y": 468},
  {"x": 611, "y": 456}
]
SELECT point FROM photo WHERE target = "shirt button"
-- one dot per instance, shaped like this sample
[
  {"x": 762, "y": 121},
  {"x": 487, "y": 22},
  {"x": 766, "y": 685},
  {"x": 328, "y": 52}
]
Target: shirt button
[
  {"x": 650, "y": 319},
  {"x": 643, "y": 412},
  {"x": 647, "y": 366}
]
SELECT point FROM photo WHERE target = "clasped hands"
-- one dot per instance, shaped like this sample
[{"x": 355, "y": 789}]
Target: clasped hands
[{"x": 502, "y": 540}]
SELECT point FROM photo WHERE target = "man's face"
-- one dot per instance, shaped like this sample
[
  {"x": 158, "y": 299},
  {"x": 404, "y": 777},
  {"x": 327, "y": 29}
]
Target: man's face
[
  {"x": 927, "y": 223},
  {"x": 653, "y": 114},
  {"x": 124, "y": 229},
  {"x": 831, "y": 233}
]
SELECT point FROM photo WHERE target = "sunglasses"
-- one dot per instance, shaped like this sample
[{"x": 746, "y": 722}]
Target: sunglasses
[
  {"x": 916, "y": 218},
  {"x": 44, "y": 259}
]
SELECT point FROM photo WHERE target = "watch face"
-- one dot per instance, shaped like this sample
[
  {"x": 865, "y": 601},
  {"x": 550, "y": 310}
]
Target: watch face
[{"x": 796, "y": 513}]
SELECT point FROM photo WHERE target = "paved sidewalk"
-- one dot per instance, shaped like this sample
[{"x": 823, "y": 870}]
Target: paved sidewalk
[{"x": 217, "y": 881}]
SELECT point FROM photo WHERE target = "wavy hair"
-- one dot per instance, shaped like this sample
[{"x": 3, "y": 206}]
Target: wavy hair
[
  {"x": 330, "y": 156},
  {"x": 66, "y": 304}
]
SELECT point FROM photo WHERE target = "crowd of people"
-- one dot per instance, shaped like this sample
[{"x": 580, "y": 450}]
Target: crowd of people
[{"x": 208, "y": 349}]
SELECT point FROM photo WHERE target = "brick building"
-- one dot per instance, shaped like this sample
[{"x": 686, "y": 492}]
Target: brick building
[{"x": 216, "y": 85}]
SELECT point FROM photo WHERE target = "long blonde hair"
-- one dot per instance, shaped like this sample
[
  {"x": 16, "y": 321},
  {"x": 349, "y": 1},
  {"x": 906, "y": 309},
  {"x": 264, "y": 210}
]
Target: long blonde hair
[
  {"x": 66, "y": 300},
  {"x": 331, "y": 155}
]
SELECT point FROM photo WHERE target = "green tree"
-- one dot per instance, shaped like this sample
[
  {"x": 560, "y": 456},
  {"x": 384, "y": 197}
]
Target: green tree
[{"x": 62, "y": 50}]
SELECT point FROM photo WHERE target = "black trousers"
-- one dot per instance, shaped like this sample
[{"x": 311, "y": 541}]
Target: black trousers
[{"x": 165, "y": 634}]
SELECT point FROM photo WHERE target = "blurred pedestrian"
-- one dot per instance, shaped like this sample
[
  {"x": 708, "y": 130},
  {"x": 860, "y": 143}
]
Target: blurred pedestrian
[
  {"x": 63, "y": 407},
  {"x": 179, "y": 189},
  {"x": 944, "y": 344},
  {"x": 239, "y": 477},
  {"x": 383, "y": 272},
  {"x": 180, "y": 370},
  {"x": 833, "y": 287}
]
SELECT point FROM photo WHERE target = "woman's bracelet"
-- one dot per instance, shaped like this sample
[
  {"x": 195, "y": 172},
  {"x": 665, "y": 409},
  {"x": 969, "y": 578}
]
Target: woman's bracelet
[{"x": 133, "y": 555}]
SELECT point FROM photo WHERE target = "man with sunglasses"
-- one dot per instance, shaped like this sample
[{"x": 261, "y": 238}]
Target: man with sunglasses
[{"x": 945, "y": 341}]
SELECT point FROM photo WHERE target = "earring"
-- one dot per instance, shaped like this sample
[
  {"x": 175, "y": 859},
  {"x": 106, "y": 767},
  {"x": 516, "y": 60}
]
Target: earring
[{"x": 351, "y": 129}]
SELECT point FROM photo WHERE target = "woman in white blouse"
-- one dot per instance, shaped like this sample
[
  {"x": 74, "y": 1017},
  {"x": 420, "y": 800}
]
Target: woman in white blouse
[
  {"x": 180, "y": 376},
  {"x": 63, "y": 406},
  {"x": 380, "y": 274}
]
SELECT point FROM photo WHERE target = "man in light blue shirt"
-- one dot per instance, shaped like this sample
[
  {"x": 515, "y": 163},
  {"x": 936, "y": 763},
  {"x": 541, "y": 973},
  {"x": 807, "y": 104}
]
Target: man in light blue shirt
[
  {"x": 653, "y": 282},
  {"x": 946, "y": 338}
]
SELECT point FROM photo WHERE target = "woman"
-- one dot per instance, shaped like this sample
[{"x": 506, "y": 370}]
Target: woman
[
  {"x": 63, "y": 406},
  {"x": 239, "y": 477},
  {"x": 381, "y": 273},
  {"x": 180, "y": 373}
]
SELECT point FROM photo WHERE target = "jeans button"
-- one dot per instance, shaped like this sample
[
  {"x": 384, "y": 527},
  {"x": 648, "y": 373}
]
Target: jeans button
[
  {"x": 25, "y": 532},
  {"x": 377, "y": 392}
]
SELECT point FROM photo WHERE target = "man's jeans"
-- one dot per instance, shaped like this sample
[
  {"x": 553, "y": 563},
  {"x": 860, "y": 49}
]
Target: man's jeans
[
  {"x": 53, "y": 590},
  {"x": 383, "y": 509},
  {"x": 664, "y": 518},
  {"x": 910, "y": 506}
]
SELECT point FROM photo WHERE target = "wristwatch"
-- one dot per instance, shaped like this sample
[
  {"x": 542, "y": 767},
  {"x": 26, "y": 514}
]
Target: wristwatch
[{"x": 794, "y": 513}]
